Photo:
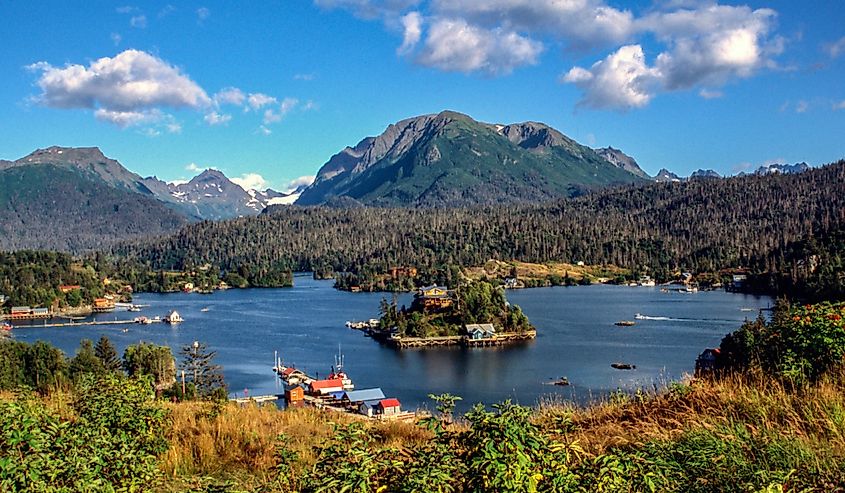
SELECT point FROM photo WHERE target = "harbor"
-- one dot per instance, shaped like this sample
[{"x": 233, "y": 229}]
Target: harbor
[{"x": 337, "y": 393}]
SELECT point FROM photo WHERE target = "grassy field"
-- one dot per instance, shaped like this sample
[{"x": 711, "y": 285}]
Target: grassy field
[{"x": 498, "y": 269}]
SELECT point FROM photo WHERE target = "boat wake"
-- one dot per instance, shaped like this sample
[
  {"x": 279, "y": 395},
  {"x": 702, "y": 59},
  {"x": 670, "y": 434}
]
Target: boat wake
[
  {"x": 646, "y": 317},
  {"x": 640, "y": 316}
]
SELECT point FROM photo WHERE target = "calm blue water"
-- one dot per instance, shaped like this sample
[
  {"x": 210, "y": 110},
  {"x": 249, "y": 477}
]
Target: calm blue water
[{"x": 576, "y": 339}]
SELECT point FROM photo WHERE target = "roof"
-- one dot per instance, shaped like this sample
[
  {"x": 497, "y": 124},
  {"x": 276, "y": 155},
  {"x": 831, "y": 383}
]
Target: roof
[
  {"x": 365, "y": 395},
  {"x": 337, "y": 395},
  {"x": 371, "y": 404},
  {"x": 392, "y": 402},
  {"x": 287, "y": 371},
  {"x": 481, "y": 327},
  {"x": 326, "y": 384}
]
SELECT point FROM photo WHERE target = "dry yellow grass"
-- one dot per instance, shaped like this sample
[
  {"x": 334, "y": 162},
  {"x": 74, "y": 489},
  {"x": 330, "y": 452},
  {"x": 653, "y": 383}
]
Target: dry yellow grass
[{"x": 525, "y": 270}]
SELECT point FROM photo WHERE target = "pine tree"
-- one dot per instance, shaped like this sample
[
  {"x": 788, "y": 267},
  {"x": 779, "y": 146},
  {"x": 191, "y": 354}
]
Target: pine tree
[
  {"x": 200, "y": 370},
  {"x": 85, "y": 361},
  {"x": 107, "y": 354}
]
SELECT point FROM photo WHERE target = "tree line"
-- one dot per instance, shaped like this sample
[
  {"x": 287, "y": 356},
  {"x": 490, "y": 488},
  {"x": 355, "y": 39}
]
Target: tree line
[{"x": 698, "y": 226}]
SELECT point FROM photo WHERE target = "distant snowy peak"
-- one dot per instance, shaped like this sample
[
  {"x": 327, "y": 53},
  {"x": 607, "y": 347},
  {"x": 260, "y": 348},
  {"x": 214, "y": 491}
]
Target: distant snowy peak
[
  {"x": 664, "y": 175},
  {"x": 782, "y": 168},
  {"x": 211, "y": 195}
]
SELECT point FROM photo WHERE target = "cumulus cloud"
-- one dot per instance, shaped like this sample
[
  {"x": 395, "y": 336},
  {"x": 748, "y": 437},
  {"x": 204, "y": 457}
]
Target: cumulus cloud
[
  {"x": 710, "y": 94},
  {"x": 258, "y": 100},
  {"x": 623, "y": 80},
  {"x": 194, "y": 167},
  {"x": 202, "y": 14},
  {"x": 275, "y": 115},
  {"x": 250, "y": 181},
  {"x": 456, "y": 46},
  {"x": 412, "y": 27},
  {"x": 131, "y": 81},
  {"x": 707, "y": 46},
  {"x": 839, "y": 106},
  {"x": 215, "y": 118},
  {"x": 302, "y": 181},
  {"x": 230, "y": 95}
]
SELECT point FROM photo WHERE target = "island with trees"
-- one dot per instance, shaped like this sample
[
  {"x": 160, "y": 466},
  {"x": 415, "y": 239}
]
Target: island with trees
[{"x": 475, "y": 314}]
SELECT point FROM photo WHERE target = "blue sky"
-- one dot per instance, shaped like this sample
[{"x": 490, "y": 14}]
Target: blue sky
[{"x": 268, "y": 91}]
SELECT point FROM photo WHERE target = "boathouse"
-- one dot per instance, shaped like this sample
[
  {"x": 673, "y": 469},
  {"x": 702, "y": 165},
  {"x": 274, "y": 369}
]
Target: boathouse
[
  {"x": 389, "y": 407},
  {"x": 480, "y": 331},
  {"x": 102, "y": 305},
  {"x": 357, "y": 396},
  {"x": 294, "y": 394},
  {"x": 369, "y": 408},
  {"x": 324, "y": 387}
]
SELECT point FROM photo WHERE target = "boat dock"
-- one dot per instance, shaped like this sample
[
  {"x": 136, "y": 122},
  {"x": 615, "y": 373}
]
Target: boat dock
[
  {"x": 258, "y": 399},
  {"x": 84, "y": 324}
]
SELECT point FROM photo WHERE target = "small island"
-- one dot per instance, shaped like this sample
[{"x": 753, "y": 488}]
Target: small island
[{"x": 475, "y": 314}]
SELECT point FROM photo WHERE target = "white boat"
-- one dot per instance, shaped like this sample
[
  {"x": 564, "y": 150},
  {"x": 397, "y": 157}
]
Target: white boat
[{"x": 204, "y": 309}]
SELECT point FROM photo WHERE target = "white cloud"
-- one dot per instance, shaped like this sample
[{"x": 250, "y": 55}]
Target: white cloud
[
  {"x": 835, "y": 48},
  {"x": 115, "y": 38},
  {"x": 802, "y": 106},
  {"x": 166, "y": 10},
  {"x": 839, "y": 106},
  {"x": 287, "y": 105},
  {"x": 456, "y": 46},
  {"x": 127, "y": 9},
  {"x": 623, "y": 80},
  {"x": 249, "y": 181},
  {"x": 273, "y": 116},
  {"x": 710, "y": 94},
  {"x": 125, "y": 119},
  {"x": 580, "y": 23},
  {"x": 368, "y": 9},
  {"x": 194, "y": 168},
  {"x": 412, "y": 26},
  {"x": 131, "y": 81},
  {"x": 258, "y": 100},
  {"x": 230, "y": 95},
  {"x": 139, "y": 21},
  {"x": 263, "y": 130},
  {"x": 215, "y": 118},
  {"x": 310, "y": 105},
  {"x": 299, "y": 182},
  {"x": 305, "y": 77},
  {"x": 202, "y": 14}
]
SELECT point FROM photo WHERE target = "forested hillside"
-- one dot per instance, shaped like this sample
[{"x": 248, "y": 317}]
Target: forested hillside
[{"x": 699, "y": 225}]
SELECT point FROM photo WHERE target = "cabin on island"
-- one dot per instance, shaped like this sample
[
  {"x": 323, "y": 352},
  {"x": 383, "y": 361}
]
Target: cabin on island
[
  {"x": 188, "y": 287},
  {"x": 433, "y": 298},
  {"x": 67, "y": 288},
  {"x": 389, "y": 407},
  {"x": 481, "y": 331},
  {"x": 325, "y": 387},
  {"x": 173, "y": 318},
  {"x": 358, "y": 396},
  {"x": 294, "y": 394},
  {"x": 706, "y": 361}
]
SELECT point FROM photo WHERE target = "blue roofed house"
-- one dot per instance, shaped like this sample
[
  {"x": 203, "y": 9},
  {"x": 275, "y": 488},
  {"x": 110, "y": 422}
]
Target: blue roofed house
[
  {"x": 357, "y": 396},
  {"x": 481, "y": 331},
  {"x": 369, "y": 408}
]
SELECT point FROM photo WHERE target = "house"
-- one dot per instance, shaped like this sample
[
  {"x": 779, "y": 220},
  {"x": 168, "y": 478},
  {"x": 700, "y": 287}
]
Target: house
[
  {"x": 188, "y": 287},
  {"x": 369, "y": 408},
  {"x": 357, "y": 396},
  {"x": 173, "y": 318},
  {"x": 67, "y": 288},
  {"x": 433, "y": 298},
  {"x": 511, "y": 283},
  {"x": 706, "y": 361},
  {"x": 324, "y": 387},
  {"x": 389, "y": 407},
  {"x": 481, "y": 331},
  {"x": 103, "y": 305},
  {"x": 294, "y": 394}
]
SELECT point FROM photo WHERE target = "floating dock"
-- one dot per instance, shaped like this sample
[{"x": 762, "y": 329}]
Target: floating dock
[{"x": 83, "y": 324}]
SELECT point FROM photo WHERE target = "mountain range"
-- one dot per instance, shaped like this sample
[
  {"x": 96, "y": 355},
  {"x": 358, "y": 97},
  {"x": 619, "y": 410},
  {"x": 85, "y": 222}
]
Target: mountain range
[
  {"x": 77, "y": 198},
  {"x": 449, "y": 159}
]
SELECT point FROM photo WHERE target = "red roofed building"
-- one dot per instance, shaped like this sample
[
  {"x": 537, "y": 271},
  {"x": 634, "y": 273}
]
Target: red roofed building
[
  {"x": 389, "y": 406},
  {"x": 323, "y": 387}
]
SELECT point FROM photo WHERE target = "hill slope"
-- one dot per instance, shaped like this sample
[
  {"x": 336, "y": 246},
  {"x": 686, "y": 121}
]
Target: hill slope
[
  {"x": 47, "y": 206},
  {"x": 449, "y": 159}
]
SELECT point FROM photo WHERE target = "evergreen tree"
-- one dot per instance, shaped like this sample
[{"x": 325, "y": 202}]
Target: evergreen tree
[
  {"x": 149, "y": 359},
  {"x": 200, "y": 370},
  {"x": 85, "y": 361},
  {"x": 107, "y": 354}
]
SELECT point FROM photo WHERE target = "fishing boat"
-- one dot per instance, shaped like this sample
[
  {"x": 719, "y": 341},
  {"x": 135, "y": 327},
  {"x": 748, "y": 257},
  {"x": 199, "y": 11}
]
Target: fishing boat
[
  {"x": 337, "y": 372},
  {"x": 133, "y": 308},
  {"x": 640, "y": 316},
  {"x": 204, "y": 309},
  {"x": 623, "y": 366},
  {"x": 625, "y": 323}
]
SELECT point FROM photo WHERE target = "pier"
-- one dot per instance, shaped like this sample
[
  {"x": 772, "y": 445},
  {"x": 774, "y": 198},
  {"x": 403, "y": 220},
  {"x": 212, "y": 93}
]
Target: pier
[{"x": 83, "y": 324}]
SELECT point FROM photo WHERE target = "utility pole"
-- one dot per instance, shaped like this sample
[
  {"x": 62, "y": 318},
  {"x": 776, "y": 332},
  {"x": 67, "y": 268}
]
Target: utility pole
[{"x": 183, "y": 384}]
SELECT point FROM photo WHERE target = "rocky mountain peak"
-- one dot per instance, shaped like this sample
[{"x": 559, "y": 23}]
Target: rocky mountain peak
[
  {"x": 621, "y": 160},
  {"x": 664, "y": 175}
]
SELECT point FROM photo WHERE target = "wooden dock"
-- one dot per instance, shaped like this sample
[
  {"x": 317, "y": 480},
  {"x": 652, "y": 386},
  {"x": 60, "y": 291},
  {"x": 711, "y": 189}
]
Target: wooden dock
[
  {"x": 500, "y": 339},
  {"x": 258, "y": 399},
  {"x": 83, "y": 324}
]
